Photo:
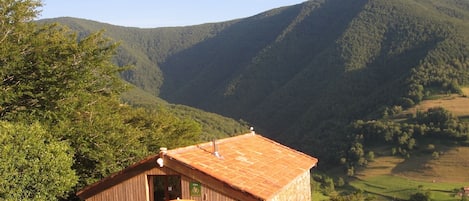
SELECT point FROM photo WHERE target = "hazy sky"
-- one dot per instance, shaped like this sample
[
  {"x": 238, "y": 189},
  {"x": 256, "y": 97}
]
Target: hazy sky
[{"x": 159, "y": 13}]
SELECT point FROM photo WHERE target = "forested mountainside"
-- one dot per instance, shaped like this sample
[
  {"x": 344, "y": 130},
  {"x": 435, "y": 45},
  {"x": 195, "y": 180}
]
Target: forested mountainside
[
  {"x": 213, "y": 126},
  {"x": 302, "y": 73}
]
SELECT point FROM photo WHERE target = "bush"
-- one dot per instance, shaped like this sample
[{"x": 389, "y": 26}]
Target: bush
[
  {"x": 420, "y": 197},
  {"x": 371, "y": 156},
  {"x": 430, "y": 148},
  {"x": 328, "y": 186},
  {"x": 340, "y": 182}
]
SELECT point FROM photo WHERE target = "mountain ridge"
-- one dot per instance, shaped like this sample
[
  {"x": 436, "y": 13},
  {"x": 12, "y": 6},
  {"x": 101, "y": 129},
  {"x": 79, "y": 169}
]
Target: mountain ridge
[{"x": 302, "y": 73}]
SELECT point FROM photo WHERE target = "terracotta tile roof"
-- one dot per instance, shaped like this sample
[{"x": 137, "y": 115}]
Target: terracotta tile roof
[{"x": 248, "y": 162}]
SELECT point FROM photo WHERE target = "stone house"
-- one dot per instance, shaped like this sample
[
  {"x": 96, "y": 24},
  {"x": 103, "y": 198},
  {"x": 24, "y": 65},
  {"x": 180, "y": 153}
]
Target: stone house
[{"x": 247, "y": 167}]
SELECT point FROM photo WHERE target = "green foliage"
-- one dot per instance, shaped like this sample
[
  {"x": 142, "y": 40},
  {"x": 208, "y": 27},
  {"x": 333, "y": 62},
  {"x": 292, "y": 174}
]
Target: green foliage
[
  {"x": 404, "y": 136},
  {"x": 440, "y": 122},
  {"x": 340, "y": 182},
  {"x": 430, "y": 148},
  {"x": 464, "y": 198},
  {"x": 400, "y": 188},
  {"x": 33, "y": 165},
  {"x": 103, "y": 145},
  {"x": 163, "y": 129},
  {"x": 420, "y": 197},
  {"x": 370, "y": 156},
  {"x": 356, "y": 196},
  {"x": 327, "y": 186},
  {"x": 40, "y": 73},
  {"x": 213, "y": 126}
]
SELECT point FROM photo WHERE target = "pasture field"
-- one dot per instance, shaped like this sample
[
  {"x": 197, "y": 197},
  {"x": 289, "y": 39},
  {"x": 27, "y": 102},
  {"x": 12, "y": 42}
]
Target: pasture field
[
  {"x": 390, "y": 177},
  {"x": 390, "y": 187},
  {"x": 396, "y": 178},
  {"x": 458, "y": 105},
  {"x": 455, "y": 103}
]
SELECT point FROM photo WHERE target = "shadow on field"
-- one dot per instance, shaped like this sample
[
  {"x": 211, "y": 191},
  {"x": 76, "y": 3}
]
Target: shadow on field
[{"x": 421, "y": 164}]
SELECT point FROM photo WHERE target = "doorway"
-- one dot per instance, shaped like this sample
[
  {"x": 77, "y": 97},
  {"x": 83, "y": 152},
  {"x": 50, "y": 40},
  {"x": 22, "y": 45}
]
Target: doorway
[{"x": 165, "y": 187}]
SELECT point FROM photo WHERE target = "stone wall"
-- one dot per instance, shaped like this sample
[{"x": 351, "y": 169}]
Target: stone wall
[{"x": 298, "y": 189}]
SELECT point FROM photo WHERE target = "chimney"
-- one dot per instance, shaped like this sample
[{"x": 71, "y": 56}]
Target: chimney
[
  {"x": 215, "y": 149},
  {"x": 163, "y": 150}
]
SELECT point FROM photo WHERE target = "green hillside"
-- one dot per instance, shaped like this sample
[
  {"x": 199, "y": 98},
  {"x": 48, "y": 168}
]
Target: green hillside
[
  {"x": 145, "y": 49},
  {"x": 213, "y": 126},
  {"x": 302, "y": 73}
]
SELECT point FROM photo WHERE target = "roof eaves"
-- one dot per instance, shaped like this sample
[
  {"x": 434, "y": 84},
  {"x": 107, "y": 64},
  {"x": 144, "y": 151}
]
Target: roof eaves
[
  {"x": 113, "y": 179},
  {"x": 195, "y": 174}
]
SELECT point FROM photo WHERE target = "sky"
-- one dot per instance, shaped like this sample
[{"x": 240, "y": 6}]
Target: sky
[{"x": 159, "y": 13}]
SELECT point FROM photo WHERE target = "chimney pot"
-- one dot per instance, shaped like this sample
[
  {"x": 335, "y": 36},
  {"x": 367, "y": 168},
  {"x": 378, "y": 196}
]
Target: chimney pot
[
  {"x": 163, "y": 151},
  {"x": 215, "y": 149}
]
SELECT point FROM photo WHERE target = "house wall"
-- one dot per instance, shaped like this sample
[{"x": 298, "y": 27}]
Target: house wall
[
  {"x": 207, "y": 194},
  {"x": 133, "y": 189},
  {"x": 137, "y": 189},
  {"x": 298, "y": 189}
]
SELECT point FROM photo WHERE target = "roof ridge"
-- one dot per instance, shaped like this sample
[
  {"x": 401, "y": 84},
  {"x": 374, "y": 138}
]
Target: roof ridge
[
  {"x": 209, "y": 143},
  {"x": 286, "y": 147}
]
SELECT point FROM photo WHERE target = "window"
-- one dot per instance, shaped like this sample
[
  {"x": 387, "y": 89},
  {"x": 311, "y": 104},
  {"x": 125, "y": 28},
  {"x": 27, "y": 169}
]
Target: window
[{"x": 165, "y": 187}]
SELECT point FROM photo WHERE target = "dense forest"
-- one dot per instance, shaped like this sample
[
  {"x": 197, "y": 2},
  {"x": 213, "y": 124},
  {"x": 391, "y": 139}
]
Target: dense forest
[{"x": 302, "y": 74}]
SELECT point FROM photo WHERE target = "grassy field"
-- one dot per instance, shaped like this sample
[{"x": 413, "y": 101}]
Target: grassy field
[
  {"x": 455, "y": 103},
  {"x": 390, "y": 187},
  {"x": 318, "y": 196},
  {"x": 389, "y": 177},
  {"x": 451, "y": 166}
]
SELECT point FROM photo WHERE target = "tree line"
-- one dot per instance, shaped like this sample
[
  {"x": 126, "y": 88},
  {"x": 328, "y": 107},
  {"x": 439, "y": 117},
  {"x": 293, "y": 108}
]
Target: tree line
[{"x": 403, "y": 136}]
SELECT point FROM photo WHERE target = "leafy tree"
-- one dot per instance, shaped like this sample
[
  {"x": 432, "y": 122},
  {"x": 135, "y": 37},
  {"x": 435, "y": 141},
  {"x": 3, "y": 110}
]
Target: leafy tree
[
  {"x": 162, "y": 129},
  {"x": 328, "y": 186},
  {"x": 355, "y": 196},
  {"x": 340, "y": 182},
  {"x": 441, "y": 123},
  {"x": 420, "y": 197},
  {"x": 433, "y": 123},
  {"x": 46, "y": 73},
  {"x": 370, "y": 156},
  {"x": 108, "y": 136},
  {"x": 33, "y": 165},
  {"x": 102, "y": 141},
  {"x": 50, "y": 76}
]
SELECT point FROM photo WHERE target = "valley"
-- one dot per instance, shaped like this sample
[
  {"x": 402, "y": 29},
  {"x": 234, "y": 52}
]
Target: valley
[
  {"x": 389, "y": 177},
  {"x": 441, "y": 175}
]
